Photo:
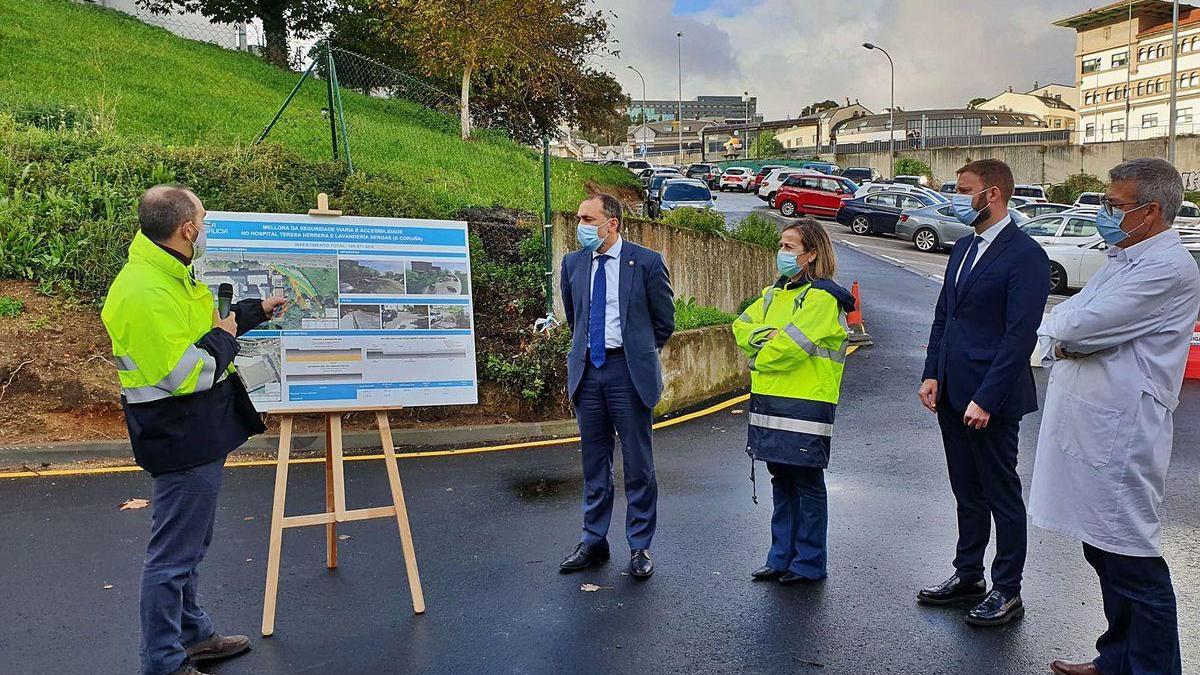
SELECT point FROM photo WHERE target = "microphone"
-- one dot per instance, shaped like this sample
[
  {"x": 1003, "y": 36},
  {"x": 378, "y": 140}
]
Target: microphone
[{"x": 224, "y": 299}]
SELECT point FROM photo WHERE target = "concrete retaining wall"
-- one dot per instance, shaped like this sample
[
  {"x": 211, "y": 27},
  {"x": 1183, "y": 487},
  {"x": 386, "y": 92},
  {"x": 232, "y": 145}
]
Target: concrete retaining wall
[
  {"x": 699, "y": 365},
  {"x": 716, "y": 272},
  {"x": 1042, "y": 164}
]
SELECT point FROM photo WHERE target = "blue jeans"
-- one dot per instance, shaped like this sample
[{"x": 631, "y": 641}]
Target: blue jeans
[
  {"x": 800, "y": 520},
  {"x": 1139, "y": 603},
  {"x": 185, "y": 506},
  {"x": 606, "y": 406}
]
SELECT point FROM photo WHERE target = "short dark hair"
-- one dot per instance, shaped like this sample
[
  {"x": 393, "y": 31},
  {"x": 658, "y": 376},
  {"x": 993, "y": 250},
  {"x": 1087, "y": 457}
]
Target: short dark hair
[
  {"x": 610, "y": 205},
  {"x": 994, "y": 173},
  {"x": 163, "y": 208}
]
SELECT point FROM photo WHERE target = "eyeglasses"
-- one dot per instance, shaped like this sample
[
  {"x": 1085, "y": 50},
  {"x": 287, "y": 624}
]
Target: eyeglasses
[{"x": 1108, "y": 205}]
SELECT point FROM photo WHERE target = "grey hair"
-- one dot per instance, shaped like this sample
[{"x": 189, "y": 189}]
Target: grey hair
[
  {"x": 163, "y": 208},
  {"x": 1157, "y": 181},
  {"x": 610, "y": 205}
]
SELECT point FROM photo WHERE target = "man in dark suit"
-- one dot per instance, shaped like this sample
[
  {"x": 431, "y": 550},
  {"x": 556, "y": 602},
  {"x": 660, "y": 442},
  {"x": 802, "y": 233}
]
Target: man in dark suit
[
  {"x": 619, "y": 305},
  {"x": 979, "y": 383}
]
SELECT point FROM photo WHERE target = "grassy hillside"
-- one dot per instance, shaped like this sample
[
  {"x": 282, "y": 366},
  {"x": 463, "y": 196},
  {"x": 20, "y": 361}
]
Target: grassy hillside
[{"x": 153, "y": 86}]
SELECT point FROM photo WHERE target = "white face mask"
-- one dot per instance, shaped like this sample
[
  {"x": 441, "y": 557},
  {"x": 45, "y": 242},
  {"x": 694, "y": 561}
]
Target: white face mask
[{"x": 201, "y": 242}]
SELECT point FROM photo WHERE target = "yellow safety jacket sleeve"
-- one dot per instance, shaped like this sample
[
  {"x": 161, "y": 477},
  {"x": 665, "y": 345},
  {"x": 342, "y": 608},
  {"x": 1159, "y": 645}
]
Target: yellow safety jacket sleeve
[
  {"x": 814, "y": 331},
  {"x": 750, "y": 330}
]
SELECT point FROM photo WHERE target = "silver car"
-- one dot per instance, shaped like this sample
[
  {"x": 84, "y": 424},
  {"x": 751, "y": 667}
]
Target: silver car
[
  {"x": 932, "y": 228},
  {"x": 686, "y": 192}
]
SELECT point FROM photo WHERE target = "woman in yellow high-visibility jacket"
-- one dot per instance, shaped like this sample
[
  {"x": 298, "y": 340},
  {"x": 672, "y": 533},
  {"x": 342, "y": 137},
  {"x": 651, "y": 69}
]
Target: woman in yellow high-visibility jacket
[{"x": 795, "y": 336}]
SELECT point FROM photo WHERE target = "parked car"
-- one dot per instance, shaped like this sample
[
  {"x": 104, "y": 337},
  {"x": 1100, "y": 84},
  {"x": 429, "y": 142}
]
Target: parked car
[
  {"x": 912, "y": 180},
  {"x": 714, "y": 177},
  {"x": 860, "y": 174},
  {"x": 770, "y": 185},
  {"x": 949, "y": 187},
  {"x": 1059, "y": 229},
  {"x": 1188, "y": 215},
  {"x": 812, "y": 194},
  {"x": 932, "y": 228},
  {"x": 1016, "y": 201},
  {"x": 699, "y": 171},
  {"x": 737, "y": 178},
  {"x": 827, "y": 168},
  {"x": 1036, "y": 209},
  {"x": 1034, "y": 192},
  {"x": 648, "y": 174},
  {"x": 884, "y": 186},
  {"x": 762, "y": 173},
  {"x": 638, "y": 165},
  {"x": 1089, "y": 199},
  {"x": 656, "y": 183},
  {"x": 1072, "y": 266},
  {"x": 879, "y": 212},
  {"x": 686, "y": 192}
]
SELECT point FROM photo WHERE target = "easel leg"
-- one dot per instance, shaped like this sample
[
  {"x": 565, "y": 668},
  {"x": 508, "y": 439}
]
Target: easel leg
[
  {"x": 406, "y": 542},
  {"x": 274, "y": 548},
  {"x": 331, "y": 540}
]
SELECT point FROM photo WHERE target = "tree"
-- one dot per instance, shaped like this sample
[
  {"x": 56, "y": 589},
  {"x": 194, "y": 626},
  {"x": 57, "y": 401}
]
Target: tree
[
  {"x": 535, "y": 48},
  {"x": 818, "y": 107},
  {"x": 910, "y": 166},
  {"x": 280, "y": 18},
  {"x": 976, "y": 101},
  {"x": 766, "y": 145},
  {"x": 1069, "y": 190}
]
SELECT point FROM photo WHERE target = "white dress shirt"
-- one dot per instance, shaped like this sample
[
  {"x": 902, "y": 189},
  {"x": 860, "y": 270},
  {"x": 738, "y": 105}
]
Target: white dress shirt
[
  {"x": 612, "y": 288},
  {"x": 986, "y": 239},
  {"x": 1106, "y": 434}
]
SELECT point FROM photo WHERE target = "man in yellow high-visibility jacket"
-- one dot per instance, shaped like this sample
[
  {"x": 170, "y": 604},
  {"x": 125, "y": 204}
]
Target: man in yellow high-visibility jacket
[{"x": 186, "y": 409}]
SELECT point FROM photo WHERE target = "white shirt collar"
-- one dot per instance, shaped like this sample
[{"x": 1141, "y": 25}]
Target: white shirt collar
[
  {"x": 614, "y": 252},
  {"x": 989, "y": 235}
]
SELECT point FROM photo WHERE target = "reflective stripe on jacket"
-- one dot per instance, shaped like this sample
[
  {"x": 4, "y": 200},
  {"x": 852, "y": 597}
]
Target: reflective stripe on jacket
[
  {"x": 795, "y": 338},
  {"x": 155, "y": 314}
]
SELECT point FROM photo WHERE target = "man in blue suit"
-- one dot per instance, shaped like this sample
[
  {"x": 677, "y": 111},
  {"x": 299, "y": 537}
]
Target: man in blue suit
[
  {"x": 619, "y": 305},
  {"x": 979, "y": 383}
]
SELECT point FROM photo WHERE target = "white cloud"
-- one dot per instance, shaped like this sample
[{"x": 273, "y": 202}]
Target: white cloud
[{"x": 791, "y": 53}]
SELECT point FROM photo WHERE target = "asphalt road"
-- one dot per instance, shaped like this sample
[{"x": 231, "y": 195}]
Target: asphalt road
[{"x": 490, "y": 529}]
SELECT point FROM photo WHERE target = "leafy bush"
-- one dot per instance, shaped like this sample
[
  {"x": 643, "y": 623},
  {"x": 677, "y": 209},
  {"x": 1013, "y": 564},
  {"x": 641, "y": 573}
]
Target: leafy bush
[
  {"x": 689, "y": 315},
  {"x": 1069, "y": 190},
  {"x": 911, "y": 166},
  {"x": 703, "y": 220},
  {"x": 766, "y": 145},
  {"x": 1192, "y": 196},
  {"x": 757, "y": 229},
  {"x": 10, "y": 307},
  {"x": 747, "y": 302}
]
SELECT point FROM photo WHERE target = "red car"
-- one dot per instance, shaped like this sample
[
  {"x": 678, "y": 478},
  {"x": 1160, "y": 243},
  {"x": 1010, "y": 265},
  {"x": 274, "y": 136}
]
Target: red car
[
  {"x": 737, "y": 178},
  {"x": 813, "y": 195},
  {"x": 762, "y": 173}
]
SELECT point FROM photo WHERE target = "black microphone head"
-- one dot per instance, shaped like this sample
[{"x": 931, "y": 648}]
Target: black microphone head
[{"x": 225, "y": 291}]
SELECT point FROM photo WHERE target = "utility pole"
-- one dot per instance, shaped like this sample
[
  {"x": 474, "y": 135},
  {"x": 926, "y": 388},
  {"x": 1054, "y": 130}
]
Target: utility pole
[
  {"x": 644, "y": 120},
  {"x": 1174, "y": 79},
  {"x": 679, "y": 109}
]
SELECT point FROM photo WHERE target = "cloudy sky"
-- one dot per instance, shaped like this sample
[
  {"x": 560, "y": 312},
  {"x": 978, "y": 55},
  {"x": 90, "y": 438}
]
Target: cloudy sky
[{"x": 791, "y": 53}]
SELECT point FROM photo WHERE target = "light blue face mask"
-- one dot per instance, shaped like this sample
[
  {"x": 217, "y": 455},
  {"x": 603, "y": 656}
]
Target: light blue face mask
[
  {"x": 1109, "y": 224},
  {"x": 588, "y": 236},
  {"x": 964, "y": 207},
  {"x": 786, "y": 264}
]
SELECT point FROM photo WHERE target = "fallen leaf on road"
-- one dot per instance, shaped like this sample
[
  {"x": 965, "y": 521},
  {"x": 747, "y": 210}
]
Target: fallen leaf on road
[
  {"x": 248, "y": 518},
  {"x": 736, "y": 412},
  {"x": 591, "y": 588},
  {"x": 344, "y": 537},
  {"x": 135, "y": 503},
  {"x": 107, "y": 586}
]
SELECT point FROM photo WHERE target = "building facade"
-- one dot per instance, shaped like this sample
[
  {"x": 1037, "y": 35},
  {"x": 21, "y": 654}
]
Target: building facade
[
  {"x": 1123, "y": 70},
  {"x": 914, "y": 126},
  {"x": 1042, "y": 103},
  {"x": 664, "y": 137},
  {"x": 723, "y": 109}
]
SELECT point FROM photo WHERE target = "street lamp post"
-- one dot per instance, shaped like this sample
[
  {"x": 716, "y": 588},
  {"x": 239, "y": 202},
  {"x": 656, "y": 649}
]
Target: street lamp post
[
  {"x": 679, "y": 109},
  {"x": 891, "y": 110},
  {"x": 644, "y": 120},
  {"x": 1174, "y": 80},
  {"x": 747, "y": 95}
]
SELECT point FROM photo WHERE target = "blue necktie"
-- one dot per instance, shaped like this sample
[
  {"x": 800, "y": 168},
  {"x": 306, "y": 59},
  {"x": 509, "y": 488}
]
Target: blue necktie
[
  {"x": 965, "y": 271},
  {"x": 596, "y": 313}
]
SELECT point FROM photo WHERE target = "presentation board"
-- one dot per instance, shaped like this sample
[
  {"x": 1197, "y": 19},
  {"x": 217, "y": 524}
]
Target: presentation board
[{"x": 379, "y": 310}]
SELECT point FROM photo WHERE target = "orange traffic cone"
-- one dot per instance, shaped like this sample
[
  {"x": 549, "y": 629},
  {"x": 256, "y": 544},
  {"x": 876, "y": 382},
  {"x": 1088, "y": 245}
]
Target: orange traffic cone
[
  {"x": 1193, "y": 362},
  {"x": 858, "y": 332}
]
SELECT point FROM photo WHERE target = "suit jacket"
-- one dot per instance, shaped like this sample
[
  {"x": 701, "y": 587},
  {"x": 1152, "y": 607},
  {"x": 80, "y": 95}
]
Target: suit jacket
[
  {"x": 983, "y": 336},
  {"x": 647, "y": 315}
]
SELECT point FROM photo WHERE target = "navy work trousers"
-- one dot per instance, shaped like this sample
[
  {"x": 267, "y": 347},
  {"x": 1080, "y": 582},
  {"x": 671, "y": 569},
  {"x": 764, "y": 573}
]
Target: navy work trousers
[
  {"x": 799, "y": 521},
  {"x": 1139, "y": 603}
]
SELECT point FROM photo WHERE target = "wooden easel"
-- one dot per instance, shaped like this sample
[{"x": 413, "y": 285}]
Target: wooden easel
[{"x": 335, "y": 494}]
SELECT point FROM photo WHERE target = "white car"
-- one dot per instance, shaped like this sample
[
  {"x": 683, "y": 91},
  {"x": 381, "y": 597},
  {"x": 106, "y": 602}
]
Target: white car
[
  {"x": 737, "y": 178},
  {"x": 771, "y": 184},
  {"x": 1188, "y": 215},
  {"x": 1035, "y": 192},
  {"x": 1091, "y": 199},
  {"x": 913, "y": 180},
  {"x": 1062, "y": 229},
  {"x": 1073, "y": 266}
]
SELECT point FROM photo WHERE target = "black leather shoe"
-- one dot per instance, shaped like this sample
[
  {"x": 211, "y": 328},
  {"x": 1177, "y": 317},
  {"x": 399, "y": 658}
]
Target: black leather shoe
[
  {"x": 640, "y": 564},
  {"x": 953, "y": 591},
  {"x": 996, "y": 609},
  {"x": 766, "y": 574},
  {"x": 583, "y": 558},
  {"x": 789, "y": 578}
]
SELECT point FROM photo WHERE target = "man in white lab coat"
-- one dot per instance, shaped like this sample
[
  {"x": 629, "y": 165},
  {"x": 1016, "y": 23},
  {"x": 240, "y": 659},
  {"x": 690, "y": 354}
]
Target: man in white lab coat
[{"x": 1119, "y": 349}]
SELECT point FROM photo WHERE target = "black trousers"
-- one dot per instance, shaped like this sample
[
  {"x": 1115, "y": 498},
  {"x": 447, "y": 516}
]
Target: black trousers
[
  {"x": 983, "y": 476},
  {"x": 1139, "y": 603}
]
